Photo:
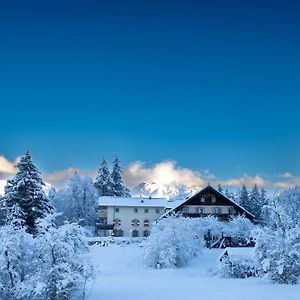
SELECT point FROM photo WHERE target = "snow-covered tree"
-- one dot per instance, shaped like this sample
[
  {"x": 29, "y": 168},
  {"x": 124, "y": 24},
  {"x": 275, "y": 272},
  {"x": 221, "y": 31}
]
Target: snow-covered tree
[
  {"x": 65, "y": 252},
  {"x": 278, "y": 246},
  {"x": 17, "y": 257},
  {"x": 26, "y": 190},
  {"x": 255, "y": 202},
  {"x": 119, "y": 189},
  {"x": 278, "y": 252},
  {"x": 54, "y": 264},
  {"x": 220, "y": 189},
  {"x": 78, "y": 202},
  {"x": 243, "y": 197},
  {"x": 104, "y": 183},
  {"x": 172, "y": 243},
  {"x": 230, "y": 195},
  {"x": 239, "y": 229}
]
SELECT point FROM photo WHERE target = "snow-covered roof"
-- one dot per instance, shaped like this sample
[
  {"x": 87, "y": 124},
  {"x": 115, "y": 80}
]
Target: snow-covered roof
[
  {"x": 238, "y": 252},
  {"x": 136, "y": 202}
]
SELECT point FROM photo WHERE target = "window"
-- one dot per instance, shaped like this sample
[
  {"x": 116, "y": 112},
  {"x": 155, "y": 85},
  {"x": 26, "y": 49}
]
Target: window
[
  {"x": 146, "y": 233},
  {"x": 146, "y": 223},
  {"x": 213, "y": 199},
  {"x": 118, "y": 233},
  {"x": 202, "y": 199},
  {"x": 146, "y": 210},
  {"x": 185, "y": 210},
  {"x": 135, "y": 223},
  {"x": 157, "y": 210},
  {"x": 117, "y": 222},
  {"x": 117, "y": 209},
  {"x": 214, "y": 210},
  {"x": 200, "y": 210},
  {"x": 135, "y": 210},
  {"x": 135, "y": 233},
  {"x": 219, "y": 210}
]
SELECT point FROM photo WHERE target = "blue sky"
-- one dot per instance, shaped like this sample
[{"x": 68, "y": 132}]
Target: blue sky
[{"x": 210, "y": 84}]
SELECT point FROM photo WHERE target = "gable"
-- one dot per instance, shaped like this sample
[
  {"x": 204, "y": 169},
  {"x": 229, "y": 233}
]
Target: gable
[{"x": 212, "y": 197}]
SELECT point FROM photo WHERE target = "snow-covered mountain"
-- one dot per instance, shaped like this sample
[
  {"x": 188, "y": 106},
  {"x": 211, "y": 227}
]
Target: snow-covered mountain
[{"x": 170, "y": 192}]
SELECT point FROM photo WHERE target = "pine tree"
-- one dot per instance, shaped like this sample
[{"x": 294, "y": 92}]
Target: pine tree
[
  {"x": 220, "y": 189},
  {"x": 243, "y": 198},
  {"x": 254, "y": 203},
  {"x": 78, "y": 202},
  {"x": 118, "y": 188},
  {"x": 26, "y": 191},
  {"x": 263, "y": 197},
  {"x": 104, "y": 183}
]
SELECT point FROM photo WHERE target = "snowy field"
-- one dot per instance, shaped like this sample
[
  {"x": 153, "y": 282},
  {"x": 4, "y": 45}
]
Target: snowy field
[{"x": 122, "y": 275}]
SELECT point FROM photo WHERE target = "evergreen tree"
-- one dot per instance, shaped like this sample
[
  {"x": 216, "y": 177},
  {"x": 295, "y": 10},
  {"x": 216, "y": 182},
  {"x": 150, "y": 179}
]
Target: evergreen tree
[
  {"x": 220, "y": 189},
  {"x": 104, "y": 183},
  {"x": 78, "y": 203},
  {"x": 26, "y": 191},
  {"x": 243, "y": 198},
  {"x": 230, "y": 195},
  {"x": 119, "y": 189},
  {"x": 263, "y": 198},
  {"x": 254, "y": 203}
]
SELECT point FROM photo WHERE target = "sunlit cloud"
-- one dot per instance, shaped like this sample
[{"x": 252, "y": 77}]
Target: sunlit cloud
[
  {"x": 7, "y": 167},
  {"x": 167, "y": 172},
  {"x": 246, "y": 180},
  {"x": 60, "y": 178}
]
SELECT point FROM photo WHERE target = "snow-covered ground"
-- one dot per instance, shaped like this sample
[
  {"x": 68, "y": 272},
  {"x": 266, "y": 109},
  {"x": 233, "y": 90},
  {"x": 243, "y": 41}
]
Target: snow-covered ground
[{"x": 121, "y": 275}]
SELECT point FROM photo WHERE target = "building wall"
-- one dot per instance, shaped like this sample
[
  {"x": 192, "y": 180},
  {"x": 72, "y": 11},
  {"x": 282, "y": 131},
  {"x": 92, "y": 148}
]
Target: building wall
[
  {"x": 221, "y": 209},
  {"x": 127, "y": 214}
]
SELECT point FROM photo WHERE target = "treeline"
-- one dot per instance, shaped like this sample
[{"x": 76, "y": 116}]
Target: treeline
[{"x": 252, "y": 200}]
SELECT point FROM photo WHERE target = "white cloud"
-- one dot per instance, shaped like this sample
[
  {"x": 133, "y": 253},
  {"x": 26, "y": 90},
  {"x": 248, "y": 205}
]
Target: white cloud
[
  {"x": 59, "y": 178},
  {"x": 249, "y": 181},
  {"x": 285, "y": 175},
  {"x": 289, "y": 182},
  {"x": 167, "y": 172},
  {"x": 7, "y": 168}
]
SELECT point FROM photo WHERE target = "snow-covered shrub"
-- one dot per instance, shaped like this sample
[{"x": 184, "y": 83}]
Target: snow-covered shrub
[
  {"x": 54, "y": 264},
  {"x": 278, "y": 247},
  {"x": 239, "y": 229},
  {"x": 172, "y": 243},
  {"x": 208, "y": 229},
  {"x": 278, "y": 253},
  {"x": 66, "y": 259},
  {"x": 237, "y": 267},
  {"x": 17, "y": 261}
]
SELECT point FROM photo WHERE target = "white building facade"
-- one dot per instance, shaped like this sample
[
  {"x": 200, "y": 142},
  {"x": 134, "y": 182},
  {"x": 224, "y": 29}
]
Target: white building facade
[{"x": 129, "y": 217}]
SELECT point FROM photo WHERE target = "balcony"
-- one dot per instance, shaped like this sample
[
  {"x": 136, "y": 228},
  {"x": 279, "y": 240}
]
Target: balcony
[{"x": 221, "y": 217}]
